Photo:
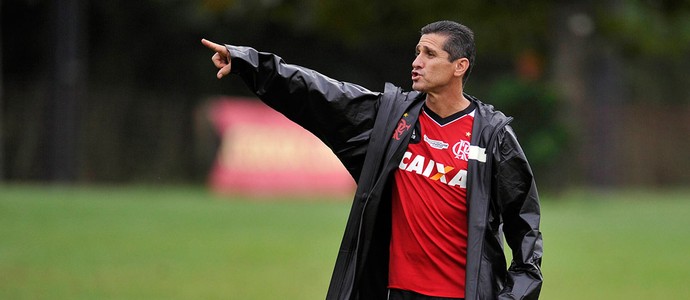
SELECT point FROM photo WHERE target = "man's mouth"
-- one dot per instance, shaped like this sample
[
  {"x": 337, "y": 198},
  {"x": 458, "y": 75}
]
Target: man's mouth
[{"x": 415, "y": 75}]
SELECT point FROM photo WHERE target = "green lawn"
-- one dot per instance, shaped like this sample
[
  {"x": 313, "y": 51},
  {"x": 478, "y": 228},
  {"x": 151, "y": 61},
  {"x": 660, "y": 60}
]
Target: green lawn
[
  {"x": 624, "y": 245},
  {"x": 183, "y": 243}
]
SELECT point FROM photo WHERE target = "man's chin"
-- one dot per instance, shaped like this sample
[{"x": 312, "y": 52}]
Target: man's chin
[{"x": 418, "y": 87}]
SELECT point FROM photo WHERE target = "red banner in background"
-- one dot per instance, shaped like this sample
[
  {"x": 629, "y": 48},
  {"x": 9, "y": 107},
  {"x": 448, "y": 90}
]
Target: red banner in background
[{"x": 262, "y": 153}]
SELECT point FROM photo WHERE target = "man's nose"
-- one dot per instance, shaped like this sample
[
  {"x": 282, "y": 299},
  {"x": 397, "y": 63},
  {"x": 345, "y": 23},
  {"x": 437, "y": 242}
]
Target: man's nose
[{"x": 417, "y": 62}]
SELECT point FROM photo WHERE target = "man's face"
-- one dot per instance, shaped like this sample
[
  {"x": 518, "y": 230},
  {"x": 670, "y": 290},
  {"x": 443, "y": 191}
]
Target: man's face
[{"x": 431, "y": 69}]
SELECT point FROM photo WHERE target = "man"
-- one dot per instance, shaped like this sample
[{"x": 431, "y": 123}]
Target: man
[{"x": 439, "y": 174}]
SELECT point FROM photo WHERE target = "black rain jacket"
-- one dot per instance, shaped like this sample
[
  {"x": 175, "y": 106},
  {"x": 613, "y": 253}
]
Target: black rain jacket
[{"x": 358, "y": 125}]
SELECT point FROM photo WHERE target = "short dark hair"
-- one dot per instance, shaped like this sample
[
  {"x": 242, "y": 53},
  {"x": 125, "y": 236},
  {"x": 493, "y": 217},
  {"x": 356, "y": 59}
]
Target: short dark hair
[{"x": 460, "y": 41}]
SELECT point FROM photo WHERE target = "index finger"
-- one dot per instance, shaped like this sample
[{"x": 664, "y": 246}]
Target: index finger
[{"x": 213, "y": 46}]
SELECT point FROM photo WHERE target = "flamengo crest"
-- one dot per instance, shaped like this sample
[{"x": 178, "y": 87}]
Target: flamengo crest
[
  {"x": 400, "y": 129},
  {"x": 461, "y": 150}
]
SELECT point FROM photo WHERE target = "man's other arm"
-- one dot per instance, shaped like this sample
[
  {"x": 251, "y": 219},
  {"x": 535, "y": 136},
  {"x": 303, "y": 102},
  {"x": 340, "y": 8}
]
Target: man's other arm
[{"x": 520, "y": 210}]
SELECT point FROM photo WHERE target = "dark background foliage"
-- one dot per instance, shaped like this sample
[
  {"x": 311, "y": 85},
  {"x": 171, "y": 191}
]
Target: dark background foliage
[{"x": 113, "y": 91}]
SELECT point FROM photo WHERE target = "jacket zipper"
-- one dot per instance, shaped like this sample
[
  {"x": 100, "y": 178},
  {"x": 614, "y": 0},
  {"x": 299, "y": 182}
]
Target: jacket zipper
[
  {"x": 489, "y": 146},
  {"x": 367, "y": 196}
]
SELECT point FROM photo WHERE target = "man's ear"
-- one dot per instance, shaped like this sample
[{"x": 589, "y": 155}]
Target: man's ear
[{"x": 461, "y": 66}]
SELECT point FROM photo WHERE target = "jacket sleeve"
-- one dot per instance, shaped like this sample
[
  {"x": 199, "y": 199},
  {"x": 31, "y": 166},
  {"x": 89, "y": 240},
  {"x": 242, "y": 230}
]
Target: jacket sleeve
[
  {"x": 340, "y": 114},
  {"x": 520, "y": 210}
]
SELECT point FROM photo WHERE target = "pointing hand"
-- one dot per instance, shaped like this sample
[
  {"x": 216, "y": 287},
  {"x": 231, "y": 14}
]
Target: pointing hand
[{"x": 221, "y": 59}]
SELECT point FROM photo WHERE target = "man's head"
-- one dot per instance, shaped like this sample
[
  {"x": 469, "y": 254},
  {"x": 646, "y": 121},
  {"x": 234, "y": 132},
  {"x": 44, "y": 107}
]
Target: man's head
[{"x": 455, "y": 40}]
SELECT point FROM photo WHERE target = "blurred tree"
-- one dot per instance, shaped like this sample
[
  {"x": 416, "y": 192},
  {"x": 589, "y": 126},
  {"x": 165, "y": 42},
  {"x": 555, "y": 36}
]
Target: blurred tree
[
  {"x": 147, "y": 71},
  {"x": 653, "y": 37},
  {"x": 535, "y": 107}
]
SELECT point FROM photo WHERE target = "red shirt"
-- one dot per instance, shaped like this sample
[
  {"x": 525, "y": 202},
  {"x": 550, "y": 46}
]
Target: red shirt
[{"x": 428, "y": 246}]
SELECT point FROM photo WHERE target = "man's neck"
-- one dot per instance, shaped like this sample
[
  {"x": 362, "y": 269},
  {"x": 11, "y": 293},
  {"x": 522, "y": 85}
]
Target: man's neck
[{"x": 446, "y": 104}]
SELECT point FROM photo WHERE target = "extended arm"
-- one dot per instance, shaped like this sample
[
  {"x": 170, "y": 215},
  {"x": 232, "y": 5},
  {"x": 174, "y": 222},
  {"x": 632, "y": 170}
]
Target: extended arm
[{"x": 341, "y": 114}]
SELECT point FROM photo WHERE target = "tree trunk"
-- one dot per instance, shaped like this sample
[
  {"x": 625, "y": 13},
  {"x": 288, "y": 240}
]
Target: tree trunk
[{"x": 68, "y": 90}]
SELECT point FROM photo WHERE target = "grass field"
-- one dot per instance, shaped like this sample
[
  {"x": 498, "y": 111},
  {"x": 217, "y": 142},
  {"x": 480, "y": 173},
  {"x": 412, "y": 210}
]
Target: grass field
[{"x": 183, "y": 243}]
